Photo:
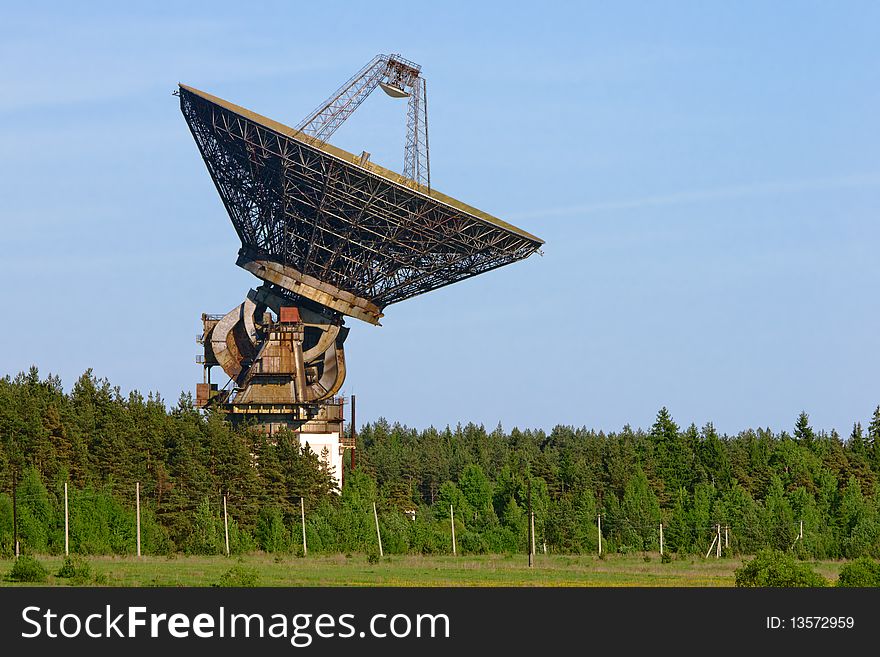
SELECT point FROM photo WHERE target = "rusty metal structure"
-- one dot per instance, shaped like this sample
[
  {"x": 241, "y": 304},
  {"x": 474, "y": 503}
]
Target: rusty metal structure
[
  {"x": 330, "y": 234},
  {"x": 398, "y": 78}
]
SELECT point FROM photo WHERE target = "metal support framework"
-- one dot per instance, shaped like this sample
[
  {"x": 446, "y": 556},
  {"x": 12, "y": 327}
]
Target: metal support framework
[
  {"x": 330, "y": 114},
  {"x": 416, "y": 163},
  {"x": 399, "y": 77}
]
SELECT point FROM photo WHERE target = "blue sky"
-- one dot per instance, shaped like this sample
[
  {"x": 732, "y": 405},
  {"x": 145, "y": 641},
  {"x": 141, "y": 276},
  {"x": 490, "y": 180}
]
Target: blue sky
[{"x": 706, "y": 177}]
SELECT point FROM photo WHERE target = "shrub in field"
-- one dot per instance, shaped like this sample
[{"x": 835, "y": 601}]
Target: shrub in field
[
  {"x": 28, "y": 569},
  {"x": 774, "y": 568},
  {"x": 239, "y": 575},
  {"x": 861, "y": 572},
  {"x": 76, "y": 569}
]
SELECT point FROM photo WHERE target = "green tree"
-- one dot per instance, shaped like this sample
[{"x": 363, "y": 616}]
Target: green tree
[
  {"x": 803, "y": 432},
  {"x": 874, "y": 440},
  {"x": 270, "y": 533},
  {"x": 476, "y": 489},
  {"x": 205, "y": 537},
  {"x": 857, "y": 523},
  {"x": 777, "y": 517},
  {"x": 675, "y": 462},
  {"x": 639, "y": 514}
]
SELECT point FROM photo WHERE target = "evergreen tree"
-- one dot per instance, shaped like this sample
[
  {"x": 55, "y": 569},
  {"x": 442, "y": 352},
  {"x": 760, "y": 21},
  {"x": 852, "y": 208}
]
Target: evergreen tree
[
  {"x": 874, "y": 440},
  {"x": 857, "y": 440},
  {"x": 760, "y": 483},
  {"x": 675, "y": 462},
  {"x": 803, "y": 432}
]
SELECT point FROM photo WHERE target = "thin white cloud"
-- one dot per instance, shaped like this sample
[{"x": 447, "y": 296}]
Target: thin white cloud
[{"x": 699, "y": 196}]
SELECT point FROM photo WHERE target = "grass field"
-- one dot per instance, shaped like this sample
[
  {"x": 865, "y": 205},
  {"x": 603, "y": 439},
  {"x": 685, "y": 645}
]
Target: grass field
[{"x": 356, "y": 570}]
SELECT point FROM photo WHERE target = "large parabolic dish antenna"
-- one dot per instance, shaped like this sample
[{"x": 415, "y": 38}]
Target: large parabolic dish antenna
[
  {"x": 330, "y": 234},
  {"x": 335, "y": 227}
]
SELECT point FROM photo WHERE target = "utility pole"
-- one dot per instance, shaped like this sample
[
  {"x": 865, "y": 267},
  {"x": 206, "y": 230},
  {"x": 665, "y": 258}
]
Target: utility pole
[
  {"x": 378, "y": 533},
  {"x": 302, "y": 511},
  {"x": 452, "y": 522},
  {"x": 226, "y": 525},
  {"x": 709, "y": 551},
  {"x": 353, "y": 428},
  {"x": 661, "y": 539},
  {"x": 530, "y": 526},
  {"x": 66, "y": 524},
  {"x": 534, "y": 552},
  {"x": 800, "y": 534},
  {"x": 726, "y": 542},
  {"x": 15, "y": 512},
  {"x": 137, "y": 493},
  {"x": 599, "y": 523},
  {"x": 718, "y": 536}
]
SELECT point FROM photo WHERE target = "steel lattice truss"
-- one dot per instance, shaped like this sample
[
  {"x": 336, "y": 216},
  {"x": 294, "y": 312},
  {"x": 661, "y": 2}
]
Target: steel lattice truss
[
  {"x": 309, "y": 206},
  {"x": 416, "y": 163}
]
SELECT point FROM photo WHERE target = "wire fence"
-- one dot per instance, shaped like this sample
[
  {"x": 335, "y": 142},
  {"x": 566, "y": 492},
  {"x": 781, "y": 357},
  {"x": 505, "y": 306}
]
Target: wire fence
[{"x": 76, "y": 511}]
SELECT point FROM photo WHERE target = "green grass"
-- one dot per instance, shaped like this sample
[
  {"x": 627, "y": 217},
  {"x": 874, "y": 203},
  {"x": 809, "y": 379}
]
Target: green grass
[{"x": 340, "y": 570}]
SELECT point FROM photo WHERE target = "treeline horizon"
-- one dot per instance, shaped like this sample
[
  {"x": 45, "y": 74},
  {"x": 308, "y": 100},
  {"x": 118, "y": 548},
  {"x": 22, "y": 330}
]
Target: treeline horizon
[{"x": 761, "y": 486}]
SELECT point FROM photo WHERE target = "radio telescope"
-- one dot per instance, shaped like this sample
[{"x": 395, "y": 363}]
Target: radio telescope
[{"x": 330, "y": 235}]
